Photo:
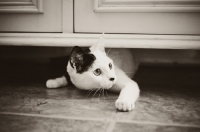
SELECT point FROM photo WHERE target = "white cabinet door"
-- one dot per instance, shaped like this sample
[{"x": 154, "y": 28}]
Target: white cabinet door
[
  {"x": 138, "y": 16},
  {"x": 30, "y": 15}
]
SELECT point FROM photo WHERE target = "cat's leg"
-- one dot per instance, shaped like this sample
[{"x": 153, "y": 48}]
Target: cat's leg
[
  {"x": 129, "y": 91},
  {"x": 127, "y": 97},
  {"x": 56, "y": 83}
]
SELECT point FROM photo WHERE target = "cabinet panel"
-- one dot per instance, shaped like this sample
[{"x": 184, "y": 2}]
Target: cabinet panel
[
  {"x": 31, "y": 16},
  {"x": 147, "y": 6},
  {"x": 88, "y": 19},
  {"x": 21, "y": 6}
]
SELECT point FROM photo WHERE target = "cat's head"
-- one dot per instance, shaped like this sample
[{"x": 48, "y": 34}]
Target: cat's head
[{"x": 91, "y": 68}]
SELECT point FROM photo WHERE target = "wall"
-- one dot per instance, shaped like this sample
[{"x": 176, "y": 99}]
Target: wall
[{"x": 146, "y": 56}]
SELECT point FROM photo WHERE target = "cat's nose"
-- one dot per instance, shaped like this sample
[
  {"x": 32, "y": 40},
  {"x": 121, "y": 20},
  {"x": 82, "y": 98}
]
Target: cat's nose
[{"x": 112, "y": 79}]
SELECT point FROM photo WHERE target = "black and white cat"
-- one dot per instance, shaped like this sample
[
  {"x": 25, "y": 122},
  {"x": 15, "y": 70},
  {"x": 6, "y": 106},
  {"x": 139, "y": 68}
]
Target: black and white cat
[{"x": 93, "y": 69}]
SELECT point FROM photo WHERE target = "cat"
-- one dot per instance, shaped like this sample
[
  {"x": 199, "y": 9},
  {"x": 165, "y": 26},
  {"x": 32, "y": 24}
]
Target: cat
[{"x": 92, "y": 69}]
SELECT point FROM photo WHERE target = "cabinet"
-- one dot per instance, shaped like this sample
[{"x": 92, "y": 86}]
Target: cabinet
[
  {"x": 30, "y": 16},
  {"x": 138, "y": 16},
  {"x": 157, "y": 24}
]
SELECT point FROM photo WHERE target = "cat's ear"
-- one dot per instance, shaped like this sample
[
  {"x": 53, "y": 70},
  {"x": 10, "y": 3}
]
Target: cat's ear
[
  {"x": 76, "y": 56},
  {"x": 100, "y": 45},
  {"x": 80, "y": 59}
]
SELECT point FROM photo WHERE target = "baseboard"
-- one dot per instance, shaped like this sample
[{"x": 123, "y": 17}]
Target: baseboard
[{"x": 111, "y": 40}]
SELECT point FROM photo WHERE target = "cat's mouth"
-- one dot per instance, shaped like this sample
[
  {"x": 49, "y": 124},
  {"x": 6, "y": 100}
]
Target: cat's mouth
[
  {"x": 107, "y": 86},
  {"x": 110, "y": 85}
]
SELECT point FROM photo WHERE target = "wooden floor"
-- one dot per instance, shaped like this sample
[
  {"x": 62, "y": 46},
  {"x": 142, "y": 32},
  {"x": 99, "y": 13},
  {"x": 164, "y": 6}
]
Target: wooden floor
[{"x": 169, "y": 102}]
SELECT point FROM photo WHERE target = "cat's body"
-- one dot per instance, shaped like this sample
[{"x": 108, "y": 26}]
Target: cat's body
[{"x": 93, "y": 69}]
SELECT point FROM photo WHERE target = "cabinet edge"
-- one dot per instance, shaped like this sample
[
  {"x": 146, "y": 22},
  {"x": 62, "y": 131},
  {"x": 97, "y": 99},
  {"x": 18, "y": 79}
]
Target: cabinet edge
[{"x": 111, "y": 40}]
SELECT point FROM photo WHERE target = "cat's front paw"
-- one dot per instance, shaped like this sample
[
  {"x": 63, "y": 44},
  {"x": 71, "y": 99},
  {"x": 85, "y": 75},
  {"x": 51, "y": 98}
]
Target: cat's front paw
[
  {"x": 124, "y": 104},
  {"x": 52, "y": 83}
]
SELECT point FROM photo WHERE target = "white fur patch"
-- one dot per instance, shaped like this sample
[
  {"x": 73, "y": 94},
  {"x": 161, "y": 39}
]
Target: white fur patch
[{"x": 88, "y": 80}]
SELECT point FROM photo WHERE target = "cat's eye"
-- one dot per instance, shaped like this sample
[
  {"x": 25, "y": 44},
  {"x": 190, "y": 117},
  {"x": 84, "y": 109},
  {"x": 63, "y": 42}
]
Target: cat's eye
[
  {"x": 110, "y": 66},
  {"x": 97, "y": 72}
]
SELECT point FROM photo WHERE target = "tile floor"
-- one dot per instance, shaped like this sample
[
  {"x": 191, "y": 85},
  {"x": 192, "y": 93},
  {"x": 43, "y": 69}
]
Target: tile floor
[{"x": 172, "y": 105}]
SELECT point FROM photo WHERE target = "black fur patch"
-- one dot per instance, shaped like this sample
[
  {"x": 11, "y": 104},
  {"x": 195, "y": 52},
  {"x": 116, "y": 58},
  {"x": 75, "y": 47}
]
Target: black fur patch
[{"x": 81, "y": 59}]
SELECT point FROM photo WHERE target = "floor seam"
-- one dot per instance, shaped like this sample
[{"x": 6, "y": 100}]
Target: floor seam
[
  {"x": 112, "y": 121},
  {"x": 158, "y": 123},
  {"x": 111, "y": 126},
  {"x": 55, "y": 116}
]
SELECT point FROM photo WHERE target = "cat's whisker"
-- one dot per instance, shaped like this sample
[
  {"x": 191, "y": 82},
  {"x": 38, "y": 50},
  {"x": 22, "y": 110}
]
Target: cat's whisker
[
  {"x": 113, "y": 54},
  {"x": 108, "y": 51},
  {"x": 90, "y": 91},
  {"x": 96, "y": 91},
  {"x": 114, "y": 57},
  {"x": 106, "y": 93},
  {"x": 100, "y": 92},
  {"x": 103, "y": 94}
]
